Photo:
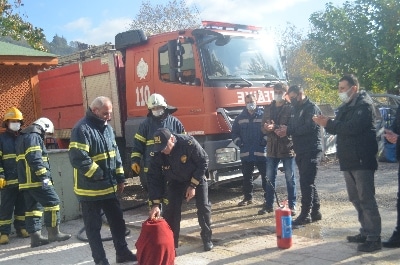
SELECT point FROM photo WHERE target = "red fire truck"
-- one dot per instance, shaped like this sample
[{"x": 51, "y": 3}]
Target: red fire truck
[{"x": 206, "y": 73}]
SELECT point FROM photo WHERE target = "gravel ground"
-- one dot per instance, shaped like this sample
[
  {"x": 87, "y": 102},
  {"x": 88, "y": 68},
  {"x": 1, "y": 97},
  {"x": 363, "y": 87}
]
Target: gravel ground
[{"x": 339, "y": 215}]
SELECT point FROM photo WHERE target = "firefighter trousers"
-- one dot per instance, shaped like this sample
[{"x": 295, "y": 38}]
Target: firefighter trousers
[
  {"x": 173, "y": 213},
  {"x": 37, "y": 201},
  {"x": 12, "y": 201}
]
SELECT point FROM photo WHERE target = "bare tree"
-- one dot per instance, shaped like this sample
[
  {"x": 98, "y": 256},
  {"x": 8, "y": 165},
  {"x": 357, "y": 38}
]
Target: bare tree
[{"x": 175, "y": 15}]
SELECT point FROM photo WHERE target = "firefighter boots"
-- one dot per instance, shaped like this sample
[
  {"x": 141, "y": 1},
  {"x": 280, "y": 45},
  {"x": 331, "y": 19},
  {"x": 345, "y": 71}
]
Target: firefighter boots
[
  {"x": 4, "y": 239},
  {"x": 393, "y": 241},
  {"x": 54, "y": 234},
  {"x": 22, "y": 233},
  {"x": 38, "y": 240}
]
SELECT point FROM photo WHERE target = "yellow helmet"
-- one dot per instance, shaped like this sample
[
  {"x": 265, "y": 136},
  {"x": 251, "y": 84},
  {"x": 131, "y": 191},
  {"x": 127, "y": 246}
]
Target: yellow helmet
[{"x": 13, "y": 114}]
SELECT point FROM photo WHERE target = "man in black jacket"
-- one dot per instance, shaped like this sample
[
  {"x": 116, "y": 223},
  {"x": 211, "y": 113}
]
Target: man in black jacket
[
  {"x": 357, "y": 147},
  {"x": 307, "y": 145},
  {"x": 393, "y": 137},
  {"x": 184, "y": 163}
]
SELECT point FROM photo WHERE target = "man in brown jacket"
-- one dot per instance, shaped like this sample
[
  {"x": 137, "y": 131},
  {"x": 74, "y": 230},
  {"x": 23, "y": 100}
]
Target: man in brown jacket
[{"x": 278, "y": 149}]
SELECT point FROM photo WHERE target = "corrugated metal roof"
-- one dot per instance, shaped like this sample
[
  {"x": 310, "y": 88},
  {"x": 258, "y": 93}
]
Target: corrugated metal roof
[{"x": 8, "y": 49}]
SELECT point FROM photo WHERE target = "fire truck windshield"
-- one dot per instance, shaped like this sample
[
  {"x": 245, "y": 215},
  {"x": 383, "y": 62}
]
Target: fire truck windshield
[{"x": 250, "y": 58}]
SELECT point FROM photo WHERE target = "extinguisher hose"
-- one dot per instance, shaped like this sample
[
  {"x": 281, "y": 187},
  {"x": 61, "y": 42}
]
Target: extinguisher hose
[{"x": 276, "y": 195}]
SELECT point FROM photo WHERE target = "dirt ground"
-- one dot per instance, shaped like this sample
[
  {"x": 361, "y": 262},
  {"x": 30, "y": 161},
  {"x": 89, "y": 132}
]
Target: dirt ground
[{"x": 339, "y": 216}]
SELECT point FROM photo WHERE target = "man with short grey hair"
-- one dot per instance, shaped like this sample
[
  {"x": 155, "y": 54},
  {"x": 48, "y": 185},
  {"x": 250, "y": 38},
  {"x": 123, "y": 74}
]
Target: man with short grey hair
[{"x": 99, "y": 177}]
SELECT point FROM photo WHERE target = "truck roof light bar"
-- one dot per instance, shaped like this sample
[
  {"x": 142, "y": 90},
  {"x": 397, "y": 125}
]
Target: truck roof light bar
[{"x": 227, "y": 26}]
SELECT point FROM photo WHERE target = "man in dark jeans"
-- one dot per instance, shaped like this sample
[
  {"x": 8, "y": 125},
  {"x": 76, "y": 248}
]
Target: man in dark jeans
[
  {"x": 357, "y": 147},
  {"x": 307, "y": 145},
  {"x": 393, "y": 137}
]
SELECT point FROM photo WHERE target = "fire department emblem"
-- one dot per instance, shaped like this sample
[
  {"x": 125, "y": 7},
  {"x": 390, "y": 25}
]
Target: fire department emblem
[
  {"x": 183, "y": 159},
  {"x": 142, "y": 69}
]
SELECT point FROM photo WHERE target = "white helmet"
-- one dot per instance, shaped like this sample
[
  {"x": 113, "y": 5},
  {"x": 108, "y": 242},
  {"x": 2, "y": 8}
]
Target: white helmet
[
  {"x": 156, "y": 100},
  {"x": 46, "y": 124}
]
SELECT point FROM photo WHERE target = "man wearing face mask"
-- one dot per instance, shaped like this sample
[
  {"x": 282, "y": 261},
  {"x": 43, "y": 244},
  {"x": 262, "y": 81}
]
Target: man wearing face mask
[
  {"x": 34, "y": 177},
  {"x": 307, "y": 145},
  {"x": 159, "y": 116},
  {"x": 99, "y": 176},
  {"x": 247, "y": 135},
  {"x": 12, "y": 199},
  {"x": 278, "y": 149},
  {"x": 357, "y": 147}
]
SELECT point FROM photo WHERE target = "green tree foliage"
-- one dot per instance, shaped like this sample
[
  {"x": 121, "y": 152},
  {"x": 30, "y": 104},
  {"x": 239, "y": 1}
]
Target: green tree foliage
[
  {"x": 59, "y": 46},
  {"x": 319, "y": 84},
  {"x": 175, "y": 15},
  {"x": 14, "y": 26},
  {"x": 361, "y": 37}
]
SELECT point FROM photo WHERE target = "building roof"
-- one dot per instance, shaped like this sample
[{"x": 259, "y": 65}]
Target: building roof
[{"x": 11, "y": 54}]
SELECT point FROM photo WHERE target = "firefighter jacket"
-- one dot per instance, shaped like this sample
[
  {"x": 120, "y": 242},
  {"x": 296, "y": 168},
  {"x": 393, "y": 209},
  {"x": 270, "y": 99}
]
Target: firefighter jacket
[
  {"x": 143, "y": 140},
  {"x": 306, "y": 134},
  {"x": 95, "y": 157},
  {"x": 187, "y": 162},
  {"x": 8, "y": 162},
  {"x": 278, "y": 147},
  {"x": 354, "y": 125},
  {"x": 247, "y": 135},
  {"x": 32, "y": 158}
]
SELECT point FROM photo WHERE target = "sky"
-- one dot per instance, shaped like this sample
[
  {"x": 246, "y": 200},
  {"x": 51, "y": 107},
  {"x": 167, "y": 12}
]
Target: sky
[{"x": 96, "y": 22}]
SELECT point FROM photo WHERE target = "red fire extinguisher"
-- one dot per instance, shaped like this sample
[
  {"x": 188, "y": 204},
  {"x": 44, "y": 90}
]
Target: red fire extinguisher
[{"x": 283, "y": 220}]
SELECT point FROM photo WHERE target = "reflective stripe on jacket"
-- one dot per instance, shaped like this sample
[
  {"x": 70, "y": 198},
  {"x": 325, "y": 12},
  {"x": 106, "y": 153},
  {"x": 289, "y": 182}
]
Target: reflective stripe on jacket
[
  {"x": 143, "y": 140},
  {"x": 247, "y": 135},
  {"x": 95, "y": 157},
  {"x": 8, "y": 162},
  {"x": 32, "y": 158}
]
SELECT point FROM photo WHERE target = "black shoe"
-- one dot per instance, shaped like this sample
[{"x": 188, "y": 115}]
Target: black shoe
[
  {"x": 357, "y": 239},
  {"x": 370, "y": 246},
  {"x": 265, "y": 210},
  {"x": 393, "y": 241},
  {"x": 302, "y": 219},
  {"x": 316, "y": 216},
  {"x": 208, "y": 245},
  {"x": 126, "y": 256}
]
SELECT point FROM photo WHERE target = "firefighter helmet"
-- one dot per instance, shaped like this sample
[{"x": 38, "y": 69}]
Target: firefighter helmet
[
  {"x": 13, "y": 114},
  {"x": 156, "y": 100},
  {"x": 46, "y": 124}
]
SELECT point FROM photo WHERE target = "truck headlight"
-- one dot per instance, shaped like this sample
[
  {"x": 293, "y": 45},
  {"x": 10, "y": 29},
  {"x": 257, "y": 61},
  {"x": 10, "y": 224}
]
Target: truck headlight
[{"x": 225, "y": 155}]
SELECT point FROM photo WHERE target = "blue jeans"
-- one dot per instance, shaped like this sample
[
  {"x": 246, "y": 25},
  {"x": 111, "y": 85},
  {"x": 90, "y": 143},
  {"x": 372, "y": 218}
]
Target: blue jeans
[
  {"x": 290, "y": 176},
  {"x": 361, "y": 191}
]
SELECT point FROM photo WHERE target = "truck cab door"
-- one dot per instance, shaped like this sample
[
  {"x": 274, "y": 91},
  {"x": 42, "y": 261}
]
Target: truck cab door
[{"x": 176, "y": 80}]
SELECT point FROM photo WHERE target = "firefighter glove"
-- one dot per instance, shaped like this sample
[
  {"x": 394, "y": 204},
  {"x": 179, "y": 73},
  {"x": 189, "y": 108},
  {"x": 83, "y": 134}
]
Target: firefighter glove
[
  {"x": 3, "y": 182},
  {"x": 136, "y": 168}
]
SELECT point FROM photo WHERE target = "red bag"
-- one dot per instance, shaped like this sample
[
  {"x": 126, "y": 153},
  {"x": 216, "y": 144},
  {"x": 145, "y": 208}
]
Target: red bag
[{"x": 155, "y": 245}]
